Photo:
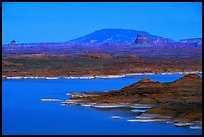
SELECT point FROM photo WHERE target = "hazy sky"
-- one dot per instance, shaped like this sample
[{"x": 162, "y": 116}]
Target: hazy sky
[{"x": 28, "y": 22}]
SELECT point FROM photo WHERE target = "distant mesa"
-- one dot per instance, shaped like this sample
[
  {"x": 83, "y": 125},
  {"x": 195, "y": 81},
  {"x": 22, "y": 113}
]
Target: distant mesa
[
  {"x": 139, "y": 39},
  {"x": 191, "y": 40},
  {"x": 197, "y": 42},
  {"x": 114, "y": 36}
]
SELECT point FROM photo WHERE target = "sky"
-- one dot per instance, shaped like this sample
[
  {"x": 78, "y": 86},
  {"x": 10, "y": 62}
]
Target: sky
[{"x": 30, "y": 22}]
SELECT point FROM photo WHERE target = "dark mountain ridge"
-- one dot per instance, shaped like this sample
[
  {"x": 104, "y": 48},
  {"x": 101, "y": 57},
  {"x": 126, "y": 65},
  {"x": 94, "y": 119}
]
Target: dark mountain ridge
[{"x": 113, "y": 35}]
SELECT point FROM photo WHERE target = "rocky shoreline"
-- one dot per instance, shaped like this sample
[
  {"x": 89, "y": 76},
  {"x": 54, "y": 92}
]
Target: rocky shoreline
[
  {"x": 138, "y": 109},
  {"x": 97, "y": 77},
  {"x": 178, "y": 102}
]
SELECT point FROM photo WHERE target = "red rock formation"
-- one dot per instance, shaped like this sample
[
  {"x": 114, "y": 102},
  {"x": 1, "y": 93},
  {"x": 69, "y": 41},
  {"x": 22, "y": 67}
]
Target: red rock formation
[
  {"x": 192, "y": 76},
  {"x": 146, "y": 80}
]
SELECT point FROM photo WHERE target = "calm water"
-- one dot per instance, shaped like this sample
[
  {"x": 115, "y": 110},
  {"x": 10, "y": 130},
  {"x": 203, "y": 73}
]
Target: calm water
[{"x": 24, "y": 113}]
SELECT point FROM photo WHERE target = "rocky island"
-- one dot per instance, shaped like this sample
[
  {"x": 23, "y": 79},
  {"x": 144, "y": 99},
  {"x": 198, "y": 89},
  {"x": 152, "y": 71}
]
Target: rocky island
[{"x": 180, "y": 100}]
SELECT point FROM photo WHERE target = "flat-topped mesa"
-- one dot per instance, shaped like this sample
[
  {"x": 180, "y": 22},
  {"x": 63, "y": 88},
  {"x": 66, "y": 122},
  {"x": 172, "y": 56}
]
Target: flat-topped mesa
[{"x": 141, "y": 39}]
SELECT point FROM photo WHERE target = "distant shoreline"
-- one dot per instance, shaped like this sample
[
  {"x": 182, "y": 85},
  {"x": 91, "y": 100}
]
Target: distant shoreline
[{"x": 99, "y": 76}]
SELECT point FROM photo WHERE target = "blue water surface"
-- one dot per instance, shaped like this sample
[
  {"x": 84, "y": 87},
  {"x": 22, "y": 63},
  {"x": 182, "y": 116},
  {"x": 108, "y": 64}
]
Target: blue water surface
[{"x": 24, "y": 113}]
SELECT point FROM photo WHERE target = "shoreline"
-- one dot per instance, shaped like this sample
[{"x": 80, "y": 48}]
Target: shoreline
[
  {"x": 99, "y": 76},
  {"x": 147, "y": 97},
  {"x": 138, "y": 108}
]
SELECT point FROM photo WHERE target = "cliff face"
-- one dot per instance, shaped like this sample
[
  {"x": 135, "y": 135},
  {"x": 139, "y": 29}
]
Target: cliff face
[{"x": 142, "y": 40}]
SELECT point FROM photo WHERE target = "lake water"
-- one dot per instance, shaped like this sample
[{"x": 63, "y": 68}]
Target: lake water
[{"x": 24, "y": 113}]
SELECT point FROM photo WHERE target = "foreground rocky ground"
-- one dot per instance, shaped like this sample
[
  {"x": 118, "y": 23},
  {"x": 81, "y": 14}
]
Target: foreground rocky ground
[{"x": 181, "y": 99}]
